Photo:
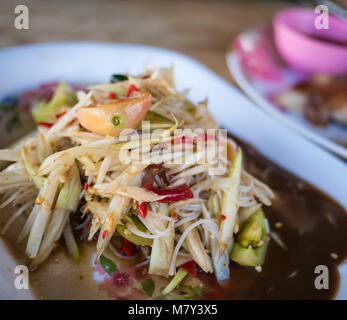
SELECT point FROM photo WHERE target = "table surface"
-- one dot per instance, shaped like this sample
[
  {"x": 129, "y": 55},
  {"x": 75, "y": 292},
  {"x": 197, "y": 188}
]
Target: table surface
[{"x": 200, "y": 29}]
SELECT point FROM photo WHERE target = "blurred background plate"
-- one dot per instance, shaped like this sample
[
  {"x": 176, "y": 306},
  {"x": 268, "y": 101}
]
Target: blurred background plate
[{"x": 259, "y": 72}]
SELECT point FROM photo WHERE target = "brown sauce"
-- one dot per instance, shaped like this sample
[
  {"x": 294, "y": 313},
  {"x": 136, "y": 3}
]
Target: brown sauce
[{"x": 313, "y": 227}]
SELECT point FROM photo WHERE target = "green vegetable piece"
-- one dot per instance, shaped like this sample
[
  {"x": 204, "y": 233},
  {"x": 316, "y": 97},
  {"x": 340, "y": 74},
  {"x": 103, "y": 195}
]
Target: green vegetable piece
[
  {"x": 175, "y": 281},
  {"x": 190, "y": 293},
  {"x": 157, "y": 121},
  {"x": 47, "y": 112},
  {"x": 32, "y": 170},
  {"x": 117, "y": 120},
  {"x": 252, "y": 230},
  {"x": 108, "y": 265},
  {"x": 161, "y": 296},
  {"x": 69, "y": 195},
  {"x": 148, "y": 286},
  {"x": 155, "y": 117},
  {"x": 132, "y": 218},
  {"x": 133, "y": 237},
  {"x": 251, "y": 257},
  {"x": 71, "y": 243},
  {"x": 118, "y": 78},
  {"x": 229, "y": 206},
  {"x": 253, "y": 254}
]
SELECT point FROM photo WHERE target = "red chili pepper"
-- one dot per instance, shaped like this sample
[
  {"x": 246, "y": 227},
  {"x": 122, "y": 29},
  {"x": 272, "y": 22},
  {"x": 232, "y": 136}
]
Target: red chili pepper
[
  {"x": 190, "y": 266},
  {"x": 112, "y": 95},
  {"x": 128, "y": 247},
  {"x": 104, "y": 234},
  {"x": 60, "y": 114},
  {"x": 45, "y": 124},
  {"x": 181, "y": 192},
  {"x": 182, "y": 140},
  {"x": 142, "y": 208},
  {"x": 203, "y": 137},
  {"x": 206, "y": 137},
  {"x": 155, "y": 170},
  {"x": 131, "y": 90},
  {"x": 222, "y": 217},
  {"x": 85, "y": 186}
]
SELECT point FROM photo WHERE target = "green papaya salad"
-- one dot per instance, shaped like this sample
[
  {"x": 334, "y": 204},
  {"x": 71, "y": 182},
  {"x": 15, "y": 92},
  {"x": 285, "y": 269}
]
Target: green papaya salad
[{"x": 179, "y": 216}]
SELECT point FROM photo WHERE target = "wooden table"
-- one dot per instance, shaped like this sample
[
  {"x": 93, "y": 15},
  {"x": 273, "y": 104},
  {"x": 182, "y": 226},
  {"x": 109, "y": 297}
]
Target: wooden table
[{"x": 201, "y": 29}]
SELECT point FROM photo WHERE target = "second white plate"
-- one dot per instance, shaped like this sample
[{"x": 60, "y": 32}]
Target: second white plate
[{"x": 299, "y": 125}]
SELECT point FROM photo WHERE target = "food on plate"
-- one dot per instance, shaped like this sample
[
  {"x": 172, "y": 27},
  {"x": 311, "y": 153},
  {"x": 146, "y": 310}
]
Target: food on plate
[
  {"x": 180, "y": 215},
  {"x": 321, "y": 100},
  {"x": 107, "y": 211}
]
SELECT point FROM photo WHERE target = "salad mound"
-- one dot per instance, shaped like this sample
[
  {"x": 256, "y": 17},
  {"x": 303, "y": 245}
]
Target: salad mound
[{"x": 133, "y": 159}]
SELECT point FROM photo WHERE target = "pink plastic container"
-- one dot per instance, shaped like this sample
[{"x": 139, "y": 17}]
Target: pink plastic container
[{"x": 308, "y": 49}]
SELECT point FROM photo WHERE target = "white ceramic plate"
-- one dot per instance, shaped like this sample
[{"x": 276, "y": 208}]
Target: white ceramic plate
[
  {"x": 300, "y": 125},
  {"x": 27, "y": 66}
]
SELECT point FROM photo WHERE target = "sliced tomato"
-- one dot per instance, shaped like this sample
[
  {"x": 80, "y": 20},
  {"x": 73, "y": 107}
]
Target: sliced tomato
[{"x": 112, "y": 117}]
